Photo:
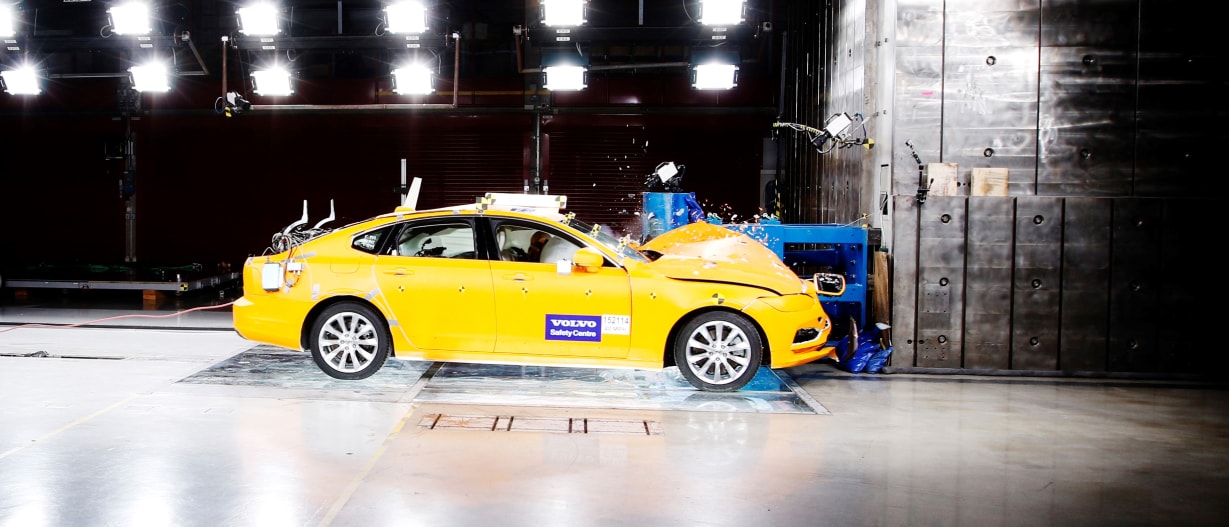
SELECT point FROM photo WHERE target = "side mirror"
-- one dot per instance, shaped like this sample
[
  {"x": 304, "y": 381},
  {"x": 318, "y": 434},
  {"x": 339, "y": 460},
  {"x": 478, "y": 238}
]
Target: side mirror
[
  {"x": 588, "y": 259},
  {"x": 829, "y": 284}
]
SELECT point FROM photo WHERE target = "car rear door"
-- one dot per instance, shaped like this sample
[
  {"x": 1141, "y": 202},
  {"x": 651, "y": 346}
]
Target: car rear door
[{"x": 438, "y": 287}]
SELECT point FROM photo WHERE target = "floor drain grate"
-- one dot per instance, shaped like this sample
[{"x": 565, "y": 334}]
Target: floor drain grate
[{"x": 559, "y": 425}]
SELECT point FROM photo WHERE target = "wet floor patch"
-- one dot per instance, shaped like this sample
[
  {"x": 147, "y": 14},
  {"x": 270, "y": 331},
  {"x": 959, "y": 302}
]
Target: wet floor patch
[
  {"x": 270, "y": 366},
  {"x": 771, "y": 391}
]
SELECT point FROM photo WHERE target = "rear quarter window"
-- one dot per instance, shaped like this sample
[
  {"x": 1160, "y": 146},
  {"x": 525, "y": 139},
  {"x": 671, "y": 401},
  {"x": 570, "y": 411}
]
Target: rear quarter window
[{"x": 370, "y": 241}]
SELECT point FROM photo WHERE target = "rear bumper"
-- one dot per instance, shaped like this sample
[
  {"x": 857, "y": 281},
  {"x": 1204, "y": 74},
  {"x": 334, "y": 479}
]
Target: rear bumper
[{"x": 258, "y": 323}]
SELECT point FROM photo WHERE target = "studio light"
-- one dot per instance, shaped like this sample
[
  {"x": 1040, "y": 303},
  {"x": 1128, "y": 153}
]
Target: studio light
[
  {"x": 406, "y": 17},
  {"x": 130, "y": 18},
  {"x": 21, "y": 81},
  {"x": 713, "y": 76},
  {"x": 714, "y": 69},
  {"x": 721, "y": 12},
  {"x": 412, "y": 79},
  {"x": 258, "y": 20},
  {"x": 565, "y": 78},
  {"x": 8, "y": 21},
  {"x": 563, "y": 13},
  {"x": 272, "y": 82},
  {"x": 150, "y": 77}
]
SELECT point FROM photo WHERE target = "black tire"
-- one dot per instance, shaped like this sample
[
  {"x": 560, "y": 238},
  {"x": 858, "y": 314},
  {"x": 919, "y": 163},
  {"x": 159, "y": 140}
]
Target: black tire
[
  {"x": 718, "y": 351},
  {"x": 349, "y": 341}
]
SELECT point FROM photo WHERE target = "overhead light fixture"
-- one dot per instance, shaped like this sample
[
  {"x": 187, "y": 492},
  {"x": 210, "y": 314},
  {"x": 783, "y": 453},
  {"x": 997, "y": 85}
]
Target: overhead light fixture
[
  {"x": 714, "y": 76},
  {"x": 272, "y": 82},
  {"x": 406, "y": 17},
  {"x": 21, "y": 81},
  {"x": 563, "y": 13},
  {"x": 258, "y": 20},
  {"x": 130, "y": 18},
  {"x": 721, "y": 12},
  {"x": 412, "y": 79},
  {"x": 564, "y": 71},
  {"x": 714, "y": 69},
  {"x": 150, "y": 77},
  {"x": 565, "y": 78},
  {"x": 8, "y": 21}
]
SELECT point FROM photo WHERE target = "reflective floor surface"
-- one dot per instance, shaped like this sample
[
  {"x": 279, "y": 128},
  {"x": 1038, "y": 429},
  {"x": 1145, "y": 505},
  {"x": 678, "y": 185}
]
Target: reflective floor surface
[
  {"x": 140, "y": 426},
  {"x": 486, "y": 384}
]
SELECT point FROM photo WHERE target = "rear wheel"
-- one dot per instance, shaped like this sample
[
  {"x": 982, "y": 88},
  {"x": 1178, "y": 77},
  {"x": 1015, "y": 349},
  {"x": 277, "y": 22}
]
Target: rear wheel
[
  {"x": 718, "y": 351},
  {"x": 349, "y": 341}
]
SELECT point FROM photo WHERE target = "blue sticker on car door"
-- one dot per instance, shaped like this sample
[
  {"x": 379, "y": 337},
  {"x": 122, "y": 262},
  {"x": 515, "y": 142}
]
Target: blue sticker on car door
[{"x": 576, "y": 328}]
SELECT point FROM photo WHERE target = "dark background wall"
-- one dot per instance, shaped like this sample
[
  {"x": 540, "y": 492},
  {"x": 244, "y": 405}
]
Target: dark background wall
[{"x": 212, "y": 189}]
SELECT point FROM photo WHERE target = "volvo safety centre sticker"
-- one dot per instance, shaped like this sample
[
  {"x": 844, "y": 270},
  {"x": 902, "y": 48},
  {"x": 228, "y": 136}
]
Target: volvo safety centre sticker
[
  {"x": 586, "y": 328},
  {"x": 579, "y": 328}
]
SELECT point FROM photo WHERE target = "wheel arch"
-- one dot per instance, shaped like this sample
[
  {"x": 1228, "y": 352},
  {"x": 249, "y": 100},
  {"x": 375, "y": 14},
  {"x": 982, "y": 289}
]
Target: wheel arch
[
  {"x": 309, "y": 320},
  {"x": 668, "y": 349}
]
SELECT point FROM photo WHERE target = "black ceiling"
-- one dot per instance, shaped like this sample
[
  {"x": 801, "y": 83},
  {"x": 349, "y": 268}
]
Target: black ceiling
[{"x": 344, "y": 39}]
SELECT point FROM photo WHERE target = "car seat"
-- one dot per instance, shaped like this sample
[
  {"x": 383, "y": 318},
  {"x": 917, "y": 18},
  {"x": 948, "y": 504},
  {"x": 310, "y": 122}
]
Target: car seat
[{"x": 505, "y": 251}]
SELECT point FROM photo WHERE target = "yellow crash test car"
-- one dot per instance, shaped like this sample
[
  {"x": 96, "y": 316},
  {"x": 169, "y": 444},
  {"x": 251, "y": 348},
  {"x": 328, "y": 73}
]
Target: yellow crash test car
[{"x": 513, "y": 280}]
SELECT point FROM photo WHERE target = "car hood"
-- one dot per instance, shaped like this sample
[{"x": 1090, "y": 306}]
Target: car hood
[{"x": 703, "y": 251}]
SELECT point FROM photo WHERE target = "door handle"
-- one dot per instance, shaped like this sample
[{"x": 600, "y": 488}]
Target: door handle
[
  {"x": 400, "y": 271},
  {"x": 518, "y": 277}
]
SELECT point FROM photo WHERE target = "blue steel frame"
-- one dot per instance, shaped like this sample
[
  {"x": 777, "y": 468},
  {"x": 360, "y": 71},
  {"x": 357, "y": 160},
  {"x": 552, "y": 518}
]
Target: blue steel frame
[{"x": 840, "y": 248}]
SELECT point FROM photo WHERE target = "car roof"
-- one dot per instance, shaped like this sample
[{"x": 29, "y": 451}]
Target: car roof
[{"x": 539, "y": 206}]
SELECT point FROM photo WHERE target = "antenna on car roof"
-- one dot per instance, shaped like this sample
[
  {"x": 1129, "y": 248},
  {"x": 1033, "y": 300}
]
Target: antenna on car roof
[
  {"x": 332, "y": 215},
  {"x": 297, "y": 223},
  {"x": 411, "y": 197}
]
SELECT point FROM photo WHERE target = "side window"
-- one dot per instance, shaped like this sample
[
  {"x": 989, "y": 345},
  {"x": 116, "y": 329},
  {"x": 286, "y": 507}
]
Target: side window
[
  {"x": 436, "y": 240},
  {"x": 520, "y": 243},
  {"x": 369, "y": 242},
  {"x": 528, "y": 243}
]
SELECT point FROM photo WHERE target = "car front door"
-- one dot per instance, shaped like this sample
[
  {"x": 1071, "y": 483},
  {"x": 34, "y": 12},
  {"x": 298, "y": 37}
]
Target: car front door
[
  {"x": 544, "y": 307},
  {"x": 437, "y": 287}
]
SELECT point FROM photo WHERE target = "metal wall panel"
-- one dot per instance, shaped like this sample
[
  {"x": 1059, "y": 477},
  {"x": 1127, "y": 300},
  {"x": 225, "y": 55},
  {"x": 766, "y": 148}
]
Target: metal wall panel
[
  {"x": 1094, "y": 106},
  {"x": 904, "y": 246},
  {"x": 990, "y": 112},
  {"x": 941, "y": 252},
  {"x": 918, "y": 90},
  {"x": 990, "y": 88},
  {"x": 1183, "y": 86},
  {"x": 1134, "y": 281},
  {"x": 1173, "y": 159},
  {"x": 919, "y": 23},
  {"x": 918, "y": 105},
  {"x": 842, "y": 168},
  {"x": 1086, "y": 281},
  {"x": 988, "y": 283},
  {"x": 1036, "y": 283},
  {"x": 1087, "y": 109},
  {"x": 992, "y": 23},
  {"x": 1103, "y": 23},
  {"x": 1182, "y": 345}
]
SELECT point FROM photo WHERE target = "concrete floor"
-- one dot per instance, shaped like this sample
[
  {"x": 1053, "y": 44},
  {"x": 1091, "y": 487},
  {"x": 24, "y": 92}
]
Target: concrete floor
[{"x": 117, "y": 425}]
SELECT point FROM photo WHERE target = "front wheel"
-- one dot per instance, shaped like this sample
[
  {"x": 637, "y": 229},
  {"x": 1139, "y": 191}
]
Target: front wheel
[
  {"x": 718, "y": 351},
  {"x": 349, "y": 341}
]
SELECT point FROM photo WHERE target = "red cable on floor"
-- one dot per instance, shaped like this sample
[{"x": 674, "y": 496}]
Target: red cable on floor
[{"x": 61, "y": 326}]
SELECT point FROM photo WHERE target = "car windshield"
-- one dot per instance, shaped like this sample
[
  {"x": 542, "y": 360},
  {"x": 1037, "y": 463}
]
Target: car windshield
[{"x": 607, "y": 238}]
